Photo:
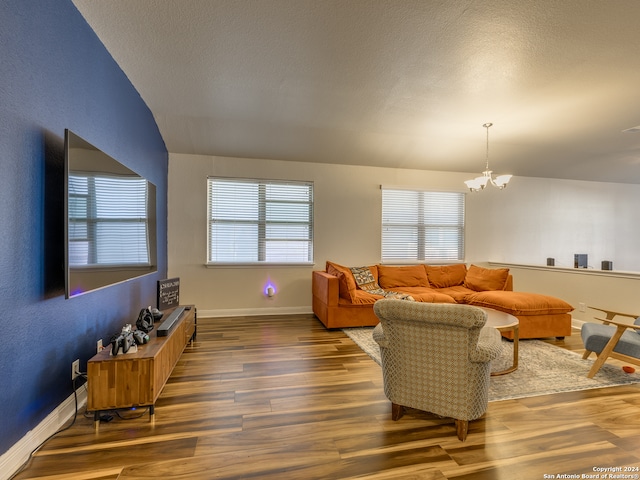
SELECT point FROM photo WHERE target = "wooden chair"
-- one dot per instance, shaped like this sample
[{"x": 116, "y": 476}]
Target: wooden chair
[{"x": 615, "y": 339}]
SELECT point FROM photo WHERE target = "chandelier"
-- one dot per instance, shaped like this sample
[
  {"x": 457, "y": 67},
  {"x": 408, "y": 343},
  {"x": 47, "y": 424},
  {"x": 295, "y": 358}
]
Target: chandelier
[{"x": 479, "y": 183}]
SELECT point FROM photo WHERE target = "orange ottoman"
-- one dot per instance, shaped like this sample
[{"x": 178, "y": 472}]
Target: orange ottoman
[{"x": 540, "y": 316}]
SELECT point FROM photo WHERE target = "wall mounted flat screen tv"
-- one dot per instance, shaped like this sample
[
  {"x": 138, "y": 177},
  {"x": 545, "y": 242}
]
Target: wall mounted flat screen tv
[{"x": 110, "y": 220}]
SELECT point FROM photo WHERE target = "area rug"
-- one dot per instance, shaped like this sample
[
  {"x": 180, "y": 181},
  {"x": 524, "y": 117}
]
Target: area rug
[{"x": 542, "y": 369}]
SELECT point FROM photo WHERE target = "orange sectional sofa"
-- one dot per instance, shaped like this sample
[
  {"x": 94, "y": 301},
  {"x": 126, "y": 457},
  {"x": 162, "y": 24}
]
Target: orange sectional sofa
[{"x": 338, "y": 300}]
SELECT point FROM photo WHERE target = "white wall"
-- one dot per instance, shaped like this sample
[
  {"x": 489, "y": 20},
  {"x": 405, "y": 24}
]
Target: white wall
[
  {"x": 540, "y": 218},
  {"x": 531, "y": 220}
]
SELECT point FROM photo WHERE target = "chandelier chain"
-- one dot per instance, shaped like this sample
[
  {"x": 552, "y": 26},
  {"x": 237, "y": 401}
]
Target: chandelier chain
[{"x": 487, "y": 125}]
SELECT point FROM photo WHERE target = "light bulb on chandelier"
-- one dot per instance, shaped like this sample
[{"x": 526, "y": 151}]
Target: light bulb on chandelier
[{"x": 479, "y": 183}]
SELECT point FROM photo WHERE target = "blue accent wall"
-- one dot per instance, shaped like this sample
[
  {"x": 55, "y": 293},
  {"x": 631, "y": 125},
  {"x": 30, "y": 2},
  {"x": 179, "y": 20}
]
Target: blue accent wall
[{"x": 56, "y": 74}]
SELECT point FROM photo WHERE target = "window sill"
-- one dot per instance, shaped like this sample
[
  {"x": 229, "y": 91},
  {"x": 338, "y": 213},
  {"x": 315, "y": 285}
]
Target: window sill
[
  {"x": 421, "y": 262},
  {"x": 258, "y": 264}
]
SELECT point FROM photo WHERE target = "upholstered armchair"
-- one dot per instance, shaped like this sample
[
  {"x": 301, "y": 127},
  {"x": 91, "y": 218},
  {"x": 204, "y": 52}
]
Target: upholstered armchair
[{"x": 436, "y": 358}]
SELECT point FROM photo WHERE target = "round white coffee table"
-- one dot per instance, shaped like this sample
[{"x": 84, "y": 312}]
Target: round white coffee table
[{"x": 504, "y": 322}]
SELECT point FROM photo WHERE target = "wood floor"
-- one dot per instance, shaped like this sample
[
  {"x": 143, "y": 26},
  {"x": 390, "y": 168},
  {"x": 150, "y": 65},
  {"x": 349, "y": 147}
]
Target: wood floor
[{"x": 283, "y": 398}]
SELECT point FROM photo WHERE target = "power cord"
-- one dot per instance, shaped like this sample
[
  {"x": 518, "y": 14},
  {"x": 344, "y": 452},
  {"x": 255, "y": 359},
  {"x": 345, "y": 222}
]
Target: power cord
[{"x": 73, "y": 421}]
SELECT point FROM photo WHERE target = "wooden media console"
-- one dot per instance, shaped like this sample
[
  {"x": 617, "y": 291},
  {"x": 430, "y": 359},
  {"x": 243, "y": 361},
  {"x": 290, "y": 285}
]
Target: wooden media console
[{"x": 136, "y": 379}]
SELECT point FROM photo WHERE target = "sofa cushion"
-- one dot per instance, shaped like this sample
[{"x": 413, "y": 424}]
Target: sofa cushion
[
  {"x": 427, "y": 295},
  {"x": 459, "y": 293},
  {"x": 360, "y": 297},
  {"x": 519, "y": 303},
  {"x": 405, "y": 276},
  {"x": 345, "y": 278},
  {"x": 442, "y": 276},
  {"x": 481, "y": 279}
]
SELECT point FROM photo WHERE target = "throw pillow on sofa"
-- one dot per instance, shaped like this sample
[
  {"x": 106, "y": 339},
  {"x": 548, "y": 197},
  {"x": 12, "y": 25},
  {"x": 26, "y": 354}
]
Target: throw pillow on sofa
[
  {"x": 367, "y": 283},
  {"x": 345, "y": 279},
  {"x": 365, "y": 280},
  {"x": 481, "y": 279},
  {"x": 443, "y": 276},
  {"x": 405, "y": 276},
  {"x": 348, "y": 289}
]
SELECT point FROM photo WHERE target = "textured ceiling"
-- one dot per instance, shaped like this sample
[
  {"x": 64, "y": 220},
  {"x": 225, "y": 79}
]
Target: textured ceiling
[{"x": 393, "y": 83}]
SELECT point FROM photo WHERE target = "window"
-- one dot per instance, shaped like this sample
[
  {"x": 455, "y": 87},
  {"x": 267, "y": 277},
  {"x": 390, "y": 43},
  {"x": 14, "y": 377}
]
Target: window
[
  {"x": 422, "y": 225},
  {"x": 108, "y": 220},
  {"x": 260, "y": 221}
]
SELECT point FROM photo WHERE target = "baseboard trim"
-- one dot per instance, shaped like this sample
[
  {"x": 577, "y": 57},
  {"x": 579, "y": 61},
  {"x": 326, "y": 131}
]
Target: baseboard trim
[
  {"x": 577, "y": 324},
  {"x": 254, "y": 312},
  {"x": 17, "y": 455}
]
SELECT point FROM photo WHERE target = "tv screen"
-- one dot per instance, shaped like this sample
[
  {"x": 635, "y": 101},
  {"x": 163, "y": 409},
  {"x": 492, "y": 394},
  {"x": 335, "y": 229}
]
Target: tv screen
[{"x": 110, "y": 220}]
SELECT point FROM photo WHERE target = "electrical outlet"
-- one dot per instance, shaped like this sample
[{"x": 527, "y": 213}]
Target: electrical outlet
[
  {"x": 582, "y": 307},
  {"x": 99, "y": 346},
  {"x": 75, "y": 369}
]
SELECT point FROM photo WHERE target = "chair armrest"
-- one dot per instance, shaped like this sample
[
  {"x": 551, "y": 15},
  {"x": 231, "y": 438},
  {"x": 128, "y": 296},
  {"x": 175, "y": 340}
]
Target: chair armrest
[
  {"x": 489, "y": 346},
  {"x": 612, "y": 313},
  {"x": 378, "y": 336},
  {"x": 607, "y": 321}
]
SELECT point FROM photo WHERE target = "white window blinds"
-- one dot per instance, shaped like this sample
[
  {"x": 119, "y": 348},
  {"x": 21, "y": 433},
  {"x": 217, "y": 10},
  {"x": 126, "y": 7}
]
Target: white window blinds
[
  {"x": 108, "y": 220},
  {"x": 260, "y": 221},
  {"x": 422, "y": 225}
]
